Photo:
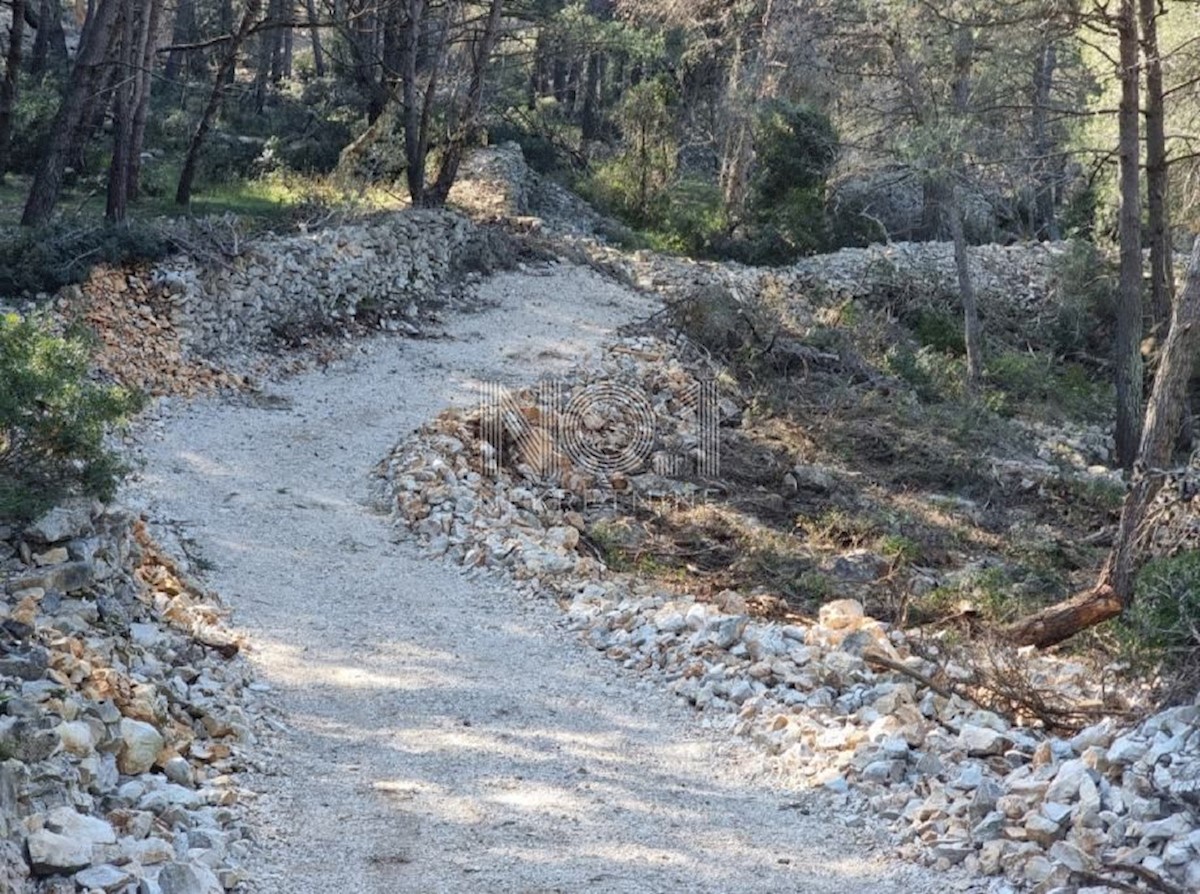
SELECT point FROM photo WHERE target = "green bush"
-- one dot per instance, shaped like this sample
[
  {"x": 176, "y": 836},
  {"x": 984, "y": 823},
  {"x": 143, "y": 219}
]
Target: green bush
[
  {"x": 1165, "y": 615},
  {"x": 37, "y": 104},
  {"x": 53, "y": 420},
  {"x": 1036, "y": 378},
  {"x": 795, "y": 147},
  {"x": 935, "y": 376},
  {"x": 44, "y": 259},
  {"x": 940, "y": 330},
  {"x": 1083, "y": 292}
]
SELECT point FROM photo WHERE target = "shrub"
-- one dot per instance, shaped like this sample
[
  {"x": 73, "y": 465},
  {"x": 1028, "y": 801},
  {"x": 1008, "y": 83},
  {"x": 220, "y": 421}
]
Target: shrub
[
  {"x": 1083, "y": 295},
  {"x": 795, "y": 147},
  {"x": 37, "y": 105},
  {"x": 44, "y": 259},
  {"x": 53, "y": 420},
  {"x": 1165, "y": 615}
]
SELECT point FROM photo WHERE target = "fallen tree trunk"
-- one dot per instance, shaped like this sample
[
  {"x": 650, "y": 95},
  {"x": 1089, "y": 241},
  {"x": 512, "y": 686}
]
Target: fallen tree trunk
[
  {"x": 1063, "y": 620},
  {"x": 1113, "y": 592}
]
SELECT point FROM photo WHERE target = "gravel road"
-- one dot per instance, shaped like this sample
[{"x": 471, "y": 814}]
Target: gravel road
[{"x": 445, "y": 734}]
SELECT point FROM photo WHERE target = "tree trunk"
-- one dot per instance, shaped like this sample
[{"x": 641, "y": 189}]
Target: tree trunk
[
  {"x": 964, "y": 60},
  {"x": 183, "y": 192},
  {"x": 1162, "y": 273},
  {"x": 147, "y": 37},
  {"x": 1127, "y": 351},
  {"x": 94, "y": 44},
  {"x": 50, "y": 43},
  {"x": 1045, "y": 224},
  {"x": 414, "y": 144},
  {"x": 119, "y": 166},
  {"x": 183, "y": 32},
  {"x": 966, "y": 289},
  {"x": 315, "y": 37},
  {"x": 1114, "y": 590},
  {"x": 8, "y": 87},
  {"x": 589, "y": 120},
  {"x": 468, "y": 129}
]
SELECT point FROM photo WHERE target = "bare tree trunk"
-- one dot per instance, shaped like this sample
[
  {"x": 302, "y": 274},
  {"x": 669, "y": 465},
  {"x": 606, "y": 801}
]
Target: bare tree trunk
[
  {"x": 414, "y": 144},
  {"x": 182, "y": 32},
  {"x": 1045, "y": 224},
  {"x": 468, "y": 130},
  {"x": 737, "y": 150},
  {"x": 1114, "y": 590},
  {"x": 1127, "y": 351},
  {"x": 972, "y": 335},
  {"x": 50, "y": 43},
  {"x": 118, "y": 169},
  {"x": 183, "y": 192},
  {"x": 1162, "y": 274},
  {"x": 315, "y": 37},
  {"x": 964, "y": 58},
  {"x": 93, "y": 50},
  {"x": 589, "y": 118},
  {"x": 142, "y": 86},
  {"x": 289, "y": 39},
  {"x": 8, "y": 87}
]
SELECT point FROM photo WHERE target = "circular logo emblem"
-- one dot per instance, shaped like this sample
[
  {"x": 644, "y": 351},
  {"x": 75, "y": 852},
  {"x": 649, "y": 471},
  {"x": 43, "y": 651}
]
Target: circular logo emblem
[{"x": 608, "y": 428}]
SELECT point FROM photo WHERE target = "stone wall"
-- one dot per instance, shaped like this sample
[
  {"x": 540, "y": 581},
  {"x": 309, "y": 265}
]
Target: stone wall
[{"x": 329, "y": 276}]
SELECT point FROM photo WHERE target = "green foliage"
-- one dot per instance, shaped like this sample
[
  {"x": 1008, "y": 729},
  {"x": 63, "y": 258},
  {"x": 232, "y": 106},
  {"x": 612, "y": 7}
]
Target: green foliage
[
  {"x": 546, "y": 140},
  {"x": 900, "y": 549},
  {"x": 33, "y": 120},
  {"x": 1084, "y": 297},
  {"x": 690, "y": 220},
  {"x": 1165, "y": 615},
  {"x": 940, "y": 330},
  {"x": 53, "y": 420},
  {"x": 795, "y": 148},
  {"x": 933, "y": 374},
  {"x": 637, "y": 179},
  {"x": 46, "y": 258},
  {"x": 1036, "y": 378}
]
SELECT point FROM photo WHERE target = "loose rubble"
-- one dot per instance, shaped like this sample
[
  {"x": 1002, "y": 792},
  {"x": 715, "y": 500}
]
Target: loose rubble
[
  {"x": 126, "y": 716},
  {"x": 841, "y": 701}
]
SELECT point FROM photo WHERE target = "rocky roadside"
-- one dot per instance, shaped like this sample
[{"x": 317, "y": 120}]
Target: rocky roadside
[
  {"x": 126, "y": 715},
  {"x": 840, "y": 701}
]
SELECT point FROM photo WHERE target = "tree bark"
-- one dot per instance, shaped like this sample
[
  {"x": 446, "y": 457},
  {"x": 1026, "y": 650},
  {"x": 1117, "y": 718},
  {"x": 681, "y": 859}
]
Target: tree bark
[
  {"x": 93, "y": 50},
  {"x": 50, "y": 43},
  {"x": 183, "y": 32},
  {"x": 315, "y": 38},
  {"x": 964, "y": 59},
  {"x": 972, "y": 335},
  {"x": 183, "y": 192},
  {"x": 8, "y": 87},
  {"x": 1162, "y": 274},
  {"x": 1045, "y": 223},
  {"x": 128, "y": 56},
  {"x": 1127, "y": 351},
  {"x": 589, "y": 119},
  {"x": 414, "y": 143},
  {"x": 468, "y": 129},
  {"x": 1114, "y": 591},
  {"x": 147, "y": 37}
]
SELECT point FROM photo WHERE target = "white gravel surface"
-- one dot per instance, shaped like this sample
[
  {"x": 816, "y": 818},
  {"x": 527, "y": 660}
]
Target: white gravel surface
[{"x": 445, "y": 734}]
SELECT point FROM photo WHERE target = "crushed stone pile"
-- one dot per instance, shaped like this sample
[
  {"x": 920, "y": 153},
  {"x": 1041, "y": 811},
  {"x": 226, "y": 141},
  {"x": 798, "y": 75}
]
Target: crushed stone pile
[
  {"x": 126, "y": 715},
  {"x": 841, "y": 701}
]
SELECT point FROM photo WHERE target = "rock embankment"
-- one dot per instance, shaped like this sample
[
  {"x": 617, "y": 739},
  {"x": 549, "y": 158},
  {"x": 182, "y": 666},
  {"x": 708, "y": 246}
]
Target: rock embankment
[
  {"x": 841, "y": 700},
  {"x": 125, "y": 715},
  {"x": 324, "y": 278}
]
